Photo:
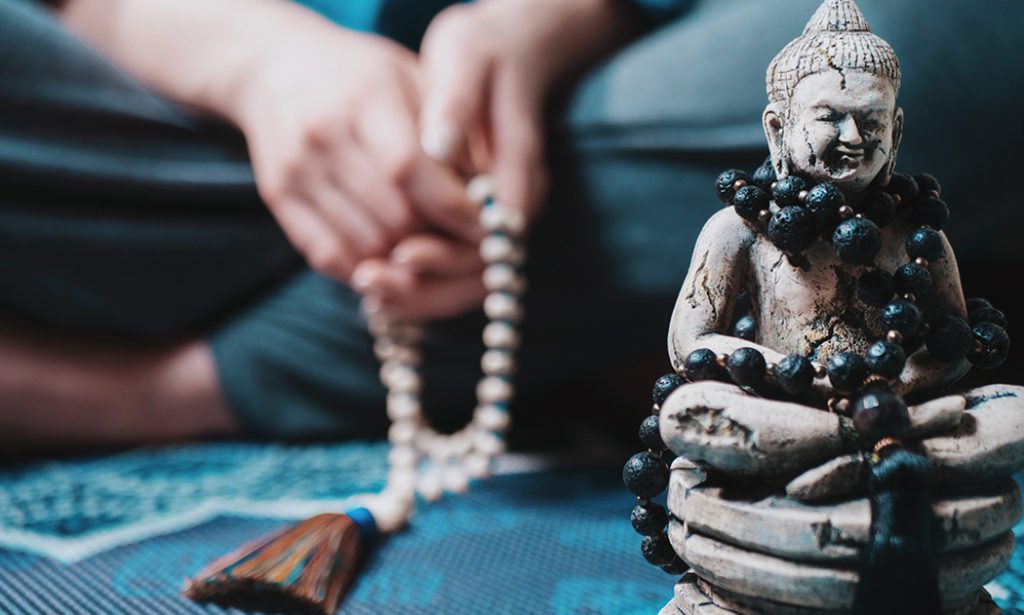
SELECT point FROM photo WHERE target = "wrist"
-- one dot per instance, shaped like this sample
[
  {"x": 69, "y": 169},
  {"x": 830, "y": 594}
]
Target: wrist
[
  {"x": 565, "y": 36},
  {"x": 592, "y": 29},
  {"x": 262, "y": 54}
]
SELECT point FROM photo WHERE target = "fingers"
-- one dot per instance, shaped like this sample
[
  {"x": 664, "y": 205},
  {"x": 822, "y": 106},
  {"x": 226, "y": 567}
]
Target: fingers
[
  {"x": 353, "y": 173},
  {"x": 437, "y": 255},
  {"x": 936, "y": 416},
  {"x": 398, "y": 292},
  {"x": 840, "y": 477},
  {"x": 723, "y": 428},
  {"x": 354, "y": 227},
  {"x": 382, "y": 280},
  {"x": 987, "y": 445},
  {"x": 433, "y": 190},
  {"x": 438, "y": 297},
  {"x": 314, "y": 237},
  {"x": 455, "y": 84},
  {"x": 439, "y": 196},
  {"x": 519, "y": 171}
]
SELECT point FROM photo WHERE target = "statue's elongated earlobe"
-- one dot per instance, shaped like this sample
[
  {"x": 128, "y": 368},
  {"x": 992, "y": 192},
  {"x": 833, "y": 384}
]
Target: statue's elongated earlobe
[
  {"x": 773, "y": 132},
  {"x": 897, "y": 136}
]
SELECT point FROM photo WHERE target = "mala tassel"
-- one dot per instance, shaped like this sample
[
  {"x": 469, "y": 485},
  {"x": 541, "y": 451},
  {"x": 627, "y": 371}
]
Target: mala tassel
[
  {"x": 899, "y": 574},
  {"x": 305, "y": 567}
]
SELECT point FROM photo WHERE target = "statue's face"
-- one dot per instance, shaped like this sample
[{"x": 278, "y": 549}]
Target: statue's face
[{"x": 841, "y": 127}]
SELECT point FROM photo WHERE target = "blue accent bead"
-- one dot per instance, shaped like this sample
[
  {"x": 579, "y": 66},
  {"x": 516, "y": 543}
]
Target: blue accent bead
[{"x": 364, "y": 520}]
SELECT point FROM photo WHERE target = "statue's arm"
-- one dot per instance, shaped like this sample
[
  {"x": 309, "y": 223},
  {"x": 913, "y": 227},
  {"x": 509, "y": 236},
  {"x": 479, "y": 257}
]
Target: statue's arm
[
  {"x": 923, "y": 372},
  {"x": 704, "y": 308}
]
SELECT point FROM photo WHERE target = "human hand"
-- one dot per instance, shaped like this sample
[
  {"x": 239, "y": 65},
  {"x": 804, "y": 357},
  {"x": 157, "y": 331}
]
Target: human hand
[
  {"x": 726, "y": 430},
  {"x": 427, "y": 277},
  {"x": 330, "y": 117},
  {"x": 966, "y": 441},
  {"x": 488, "y": 68}
]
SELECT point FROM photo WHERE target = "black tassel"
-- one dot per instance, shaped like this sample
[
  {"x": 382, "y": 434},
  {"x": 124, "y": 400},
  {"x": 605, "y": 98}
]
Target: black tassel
[{"x": 899, "y": 573}]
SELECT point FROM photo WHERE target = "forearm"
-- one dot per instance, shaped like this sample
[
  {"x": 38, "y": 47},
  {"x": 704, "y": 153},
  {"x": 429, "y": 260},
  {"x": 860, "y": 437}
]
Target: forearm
[
  {"x": 684, "y": 344},
  {"x": 196, "y": 52},
  {"x": 573, "y": 34}
]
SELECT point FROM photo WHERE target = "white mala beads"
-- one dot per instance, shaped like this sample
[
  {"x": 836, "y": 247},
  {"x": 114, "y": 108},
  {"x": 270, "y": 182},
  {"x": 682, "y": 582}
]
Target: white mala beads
[{"x": 422, "y": 460}]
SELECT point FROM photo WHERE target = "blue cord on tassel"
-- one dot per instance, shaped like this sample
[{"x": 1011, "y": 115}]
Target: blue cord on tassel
[{"x": 364, "y": 520}]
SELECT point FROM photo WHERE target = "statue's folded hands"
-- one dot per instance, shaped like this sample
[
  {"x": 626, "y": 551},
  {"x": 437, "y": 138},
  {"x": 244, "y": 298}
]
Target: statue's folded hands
[{"x": 731, "y": 432}]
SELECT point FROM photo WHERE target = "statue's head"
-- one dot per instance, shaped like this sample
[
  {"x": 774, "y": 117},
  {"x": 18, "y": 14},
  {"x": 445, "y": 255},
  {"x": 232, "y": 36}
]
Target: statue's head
[{"x": 832, "y": 113}]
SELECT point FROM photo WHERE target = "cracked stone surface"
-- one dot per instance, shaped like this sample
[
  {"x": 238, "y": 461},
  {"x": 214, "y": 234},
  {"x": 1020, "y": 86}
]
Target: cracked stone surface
[
  {"x": 837, "y": 532},
  {"x": 831, "y": 587},
  {"x": 696, "y": 597}
]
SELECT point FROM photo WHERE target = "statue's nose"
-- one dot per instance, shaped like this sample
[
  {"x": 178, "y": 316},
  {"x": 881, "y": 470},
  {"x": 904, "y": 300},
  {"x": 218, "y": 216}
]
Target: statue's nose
[{"x": 849, "y": 133}]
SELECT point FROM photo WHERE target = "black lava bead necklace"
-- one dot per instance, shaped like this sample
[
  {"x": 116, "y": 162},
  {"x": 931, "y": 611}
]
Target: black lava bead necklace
[{"x": 879, "y": 416}]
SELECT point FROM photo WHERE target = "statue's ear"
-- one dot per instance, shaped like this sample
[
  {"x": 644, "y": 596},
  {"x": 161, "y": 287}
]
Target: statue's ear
[
  {"x": 897, "y": 136},
  {"x": 772, "y": 121},
  {"x": 897, "y": 139}
]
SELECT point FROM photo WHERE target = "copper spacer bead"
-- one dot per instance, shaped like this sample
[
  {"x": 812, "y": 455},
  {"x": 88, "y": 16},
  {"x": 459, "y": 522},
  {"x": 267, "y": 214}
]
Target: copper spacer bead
[
  {"x": 819, "y": 370},
  {"x": 885, "y": 443},
  {"x": 846, "y": 212},
  {"x": 722, "y": 359},
  {"x": 802, "y": 195},
  {"x": 769, "y": 369},
  {"x": 875, "y": 380},
  {"x": 859, "y": 216},
  {"x": 739, "y": 183},
  {"x": 773, "y": 185},
  {"x": 837, "y": 405},
  {"x": 932, "y": 193},
  {"x": 909, "y": 297},
  {"x": 894, "y": 337},
  {"x": 764, "y": 215},
  {"x": 897, "y": 199},
  {"x": 921, "y": 261}
]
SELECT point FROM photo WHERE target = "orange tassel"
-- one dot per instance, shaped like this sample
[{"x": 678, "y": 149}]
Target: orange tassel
[{"x": 306, "y": 567}]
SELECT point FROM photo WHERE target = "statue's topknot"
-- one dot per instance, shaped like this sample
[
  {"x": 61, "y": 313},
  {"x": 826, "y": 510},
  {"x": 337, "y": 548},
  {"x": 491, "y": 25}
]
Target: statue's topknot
[{"x": 836, "y": 38}]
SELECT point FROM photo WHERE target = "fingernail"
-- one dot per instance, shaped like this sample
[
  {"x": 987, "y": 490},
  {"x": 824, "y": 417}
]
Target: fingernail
[
  {"x": 370, "y": 306},
  {"x": 438, "y": 142},
  {"x": 480, "y": 188},
  {"x": 362, "y": 279}
]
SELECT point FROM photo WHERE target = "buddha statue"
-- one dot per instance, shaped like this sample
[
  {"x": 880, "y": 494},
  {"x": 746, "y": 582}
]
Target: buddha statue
[{"x": 801, "y": 442}]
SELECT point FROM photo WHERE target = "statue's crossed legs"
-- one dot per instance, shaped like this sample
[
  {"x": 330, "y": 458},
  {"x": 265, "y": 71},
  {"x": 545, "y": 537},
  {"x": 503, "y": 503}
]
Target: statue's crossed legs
[{"x": 768, "y": 503}]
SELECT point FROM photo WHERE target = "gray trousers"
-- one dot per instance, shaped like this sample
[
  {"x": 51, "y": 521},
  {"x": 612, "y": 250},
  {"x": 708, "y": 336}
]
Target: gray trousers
[{"x": 123, "y": 216}]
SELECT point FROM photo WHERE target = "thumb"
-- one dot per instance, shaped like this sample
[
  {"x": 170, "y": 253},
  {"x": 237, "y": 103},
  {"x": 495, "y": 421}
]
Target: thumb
[
  {"x": 455, "y": 85},
  {"x": 519, "y": 172},
  {"x": 839, "y": 477}
]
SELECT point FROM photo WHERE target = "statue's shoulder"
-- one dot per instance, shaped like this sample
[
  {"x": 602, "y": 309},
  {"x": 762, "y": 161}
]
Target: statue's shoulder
[{"x": 725, "y": 227}]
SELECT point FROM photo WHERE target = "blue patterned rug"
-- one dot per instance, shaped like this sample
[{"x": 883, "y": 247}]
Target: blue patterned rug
[{"x": 118, "y": 534}]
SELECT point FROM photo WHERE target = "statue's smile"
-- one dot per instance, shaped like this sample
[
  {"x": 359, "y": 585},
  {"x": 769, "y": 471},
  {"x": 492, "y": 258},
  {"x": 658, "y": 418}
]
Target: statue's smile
[
  {"x": 844, "y": 161},
  {"x": 850, "y": 154}
]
